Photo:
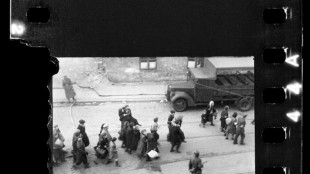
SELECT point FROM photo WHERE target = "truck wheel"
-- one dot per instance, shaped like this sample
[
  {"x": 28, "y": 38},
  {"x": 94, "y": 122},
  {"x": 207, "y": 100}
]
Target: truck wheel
[
  {"x": 244, "y": 104},
  {"x": 180, "y": 104}
]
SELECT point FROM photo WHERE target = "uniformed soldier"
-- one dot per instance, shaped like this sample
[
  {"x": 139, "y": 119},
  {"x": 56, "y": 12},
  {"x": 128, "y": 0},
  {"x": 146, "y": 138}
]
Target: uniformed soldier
[{"x": 195, "y": 164}]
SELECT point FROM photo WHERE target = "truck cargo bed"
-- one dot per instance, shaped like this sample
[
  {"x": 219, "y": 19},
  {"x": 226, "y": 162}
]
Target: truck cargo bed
[{"x": 235, "y": 80}]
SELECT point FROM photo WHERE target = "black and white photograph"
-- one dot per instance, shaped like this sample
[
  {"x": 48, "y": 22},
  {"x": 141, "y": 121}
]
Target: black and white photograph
[
  {"x": 154, "y": 115},
  {"x": 158, "y": 87}
]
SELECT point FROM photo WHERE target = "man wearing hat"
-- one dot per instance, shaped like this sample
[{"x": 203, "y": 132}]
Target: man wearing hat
[
  {"x": 195, "y": 164},
  {"x": 240, "y": 129},
  {"x": 121, "y": 113},
  {"x": 81, "y": 127},
  {"x": 69, "y": 91}
]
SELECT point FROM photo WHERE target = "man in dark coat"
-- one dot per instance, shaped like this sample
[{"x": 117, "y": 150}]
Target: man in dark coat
[
  {"x": 224, "y": 115},
  {"x": 129, "y": 138},
  {"x": 136, "y": 138},
  {"x": 195, "y": 164},
  {"x": 240, "y": 129},
  {"x": 81, "y": 154},
  {"x": 69, "y": 91},
  {"x": 210, "y": 112},
  {"x": 169, "y": 123},
  {"x": 121, "y": 113},
  {"x": 123, "y": 134},
  {"x": 176, "y": 137},
  {"x": 128, "y": 117},
  {"x": 76, "y": 136},
  {"x": 81, "y": 127}
]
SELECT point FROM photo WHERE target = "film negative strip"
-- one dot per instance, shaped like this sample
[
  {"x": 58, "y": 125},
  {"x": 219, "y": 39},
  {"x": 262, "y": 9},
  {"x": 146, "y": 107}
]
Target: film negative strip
[
  {"x": 278, "y": 75},
  {"x": 278, "y": 72}
]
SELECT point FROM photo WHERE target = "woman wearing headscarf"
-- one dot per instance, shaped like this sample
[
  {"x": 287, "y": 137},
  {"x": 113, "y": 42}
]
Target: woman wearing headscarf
[
  {"x": 129, "y": 137},
  {"x": 210, "y": 112},
  {"x": 176, "y": 137},
  {"x": 76, "y": 135},
  {"x": 152, "y": 143},
  {"x": 224, "y": 115},
  {"x": 58, "y": 145},
  {"x": 81, "y": 127},
  {"x": 81, "y": 156},
  {"x": 141, "y": 149}
]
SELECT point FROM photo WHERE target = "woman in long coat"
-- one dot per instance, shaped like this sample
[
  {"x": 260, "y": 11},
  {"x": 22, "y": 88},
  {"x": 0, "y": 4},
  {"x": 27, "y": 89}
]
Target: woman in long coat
[
  {"x": 129, "y": 137},
  {"x": 58, "y": 152},
  {"x": 141, "y": 149},
  {"x": 136, "y": 138},
  {"x": 210, "y": 112},
  {"x": 123, "y": 133},
  {"x": 151, "y": 139},
  {"x": 76, "y": 135},
  {"x": 69, "y": 91},
  {"x": 81, "y": 156},
  {"x": 176, "y": 137},
  {"x": 224, "y": 115},
  {"x": 81, "y": 127},
  {"x": 231, "y": 127}
]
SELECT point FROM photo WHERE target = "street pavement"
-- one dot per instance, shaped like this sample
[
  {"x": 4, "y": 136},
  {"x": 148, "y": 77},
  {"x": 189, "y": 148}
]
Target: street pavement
[
  {"x": 129, "y": 92},
  {"x": 222, "y": 156}
]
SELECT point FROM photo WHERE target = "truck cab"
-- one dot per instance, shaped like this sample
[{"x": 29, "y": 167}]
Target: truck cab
[{"x": 221, "y": 79}]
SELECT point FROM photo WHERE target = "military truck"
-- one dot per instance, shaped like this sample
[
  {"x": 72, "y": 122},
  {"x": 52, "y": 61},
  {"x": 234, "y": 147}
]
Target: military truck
[{"x": 220, "y": 79}]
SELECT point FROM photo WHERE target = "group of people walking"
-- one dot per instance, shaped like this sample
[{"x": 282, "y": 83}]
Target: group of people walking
[
  {"x": 143, "y": 142},
  {"x": 233, "y": 125},
  {"x": 135, "y": 140}
]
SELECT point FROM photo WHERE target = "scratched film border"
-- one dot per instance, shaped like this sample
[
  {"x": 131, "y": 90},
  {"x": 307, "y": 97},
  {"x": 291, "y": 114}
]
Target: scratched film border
[
  {"x": 285, "y": 157},
  {"x": 270, "y": 115}
]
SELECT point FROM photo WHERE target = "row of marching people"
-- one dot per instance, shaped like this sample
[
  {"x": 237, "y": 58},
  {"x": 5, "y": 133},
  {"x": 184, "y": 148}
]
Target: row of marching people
[{"x": 233, "y": 125}]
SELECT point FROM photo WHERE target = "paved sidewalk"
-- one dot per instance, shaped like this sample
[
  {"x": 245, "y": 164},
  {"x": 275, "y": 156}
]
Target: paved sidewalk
[{"x": 114, "y": 92}]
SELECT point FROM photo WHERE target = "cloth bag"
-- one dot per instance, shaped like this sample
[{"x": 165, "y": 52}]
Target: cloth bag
[
  {"x": 59, "y": 143},
  {"x": 153, "y": 154}
]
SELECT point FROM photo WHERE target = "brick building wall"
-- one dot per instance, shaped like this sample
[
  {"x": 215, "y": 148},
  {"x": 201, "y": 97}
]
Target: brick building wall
[
  {"x": 126, "y": 70},
  {"x": 94, "y": 70}
]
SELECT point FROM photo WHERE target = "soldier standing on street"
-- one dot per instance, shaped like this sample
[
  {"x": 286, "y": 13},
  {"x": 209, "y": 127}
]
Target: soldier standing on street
[
  {"x": 69, "y": 91},
  {"x": 240, "y": 129},
  {"x": 195, "y": 164}
]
